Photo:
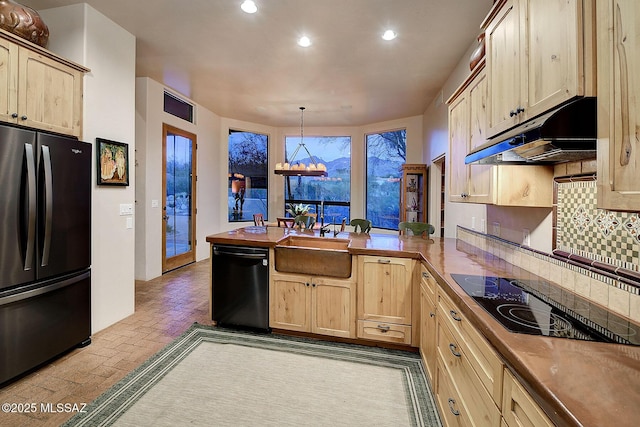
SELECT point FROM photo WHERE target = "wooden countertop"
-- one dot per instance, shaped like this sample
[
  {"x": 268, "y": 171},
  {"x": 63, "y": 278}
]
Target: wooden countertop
[{"x": 577, "y": 383}]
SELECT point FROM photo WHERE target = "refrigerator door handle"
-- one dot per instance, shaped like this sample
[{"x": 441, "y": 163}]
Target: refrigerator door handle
[
  {"x": 48, "y": 203},
  {"x": 31, "y": 214},
  {"x": 44, "y": 289}
]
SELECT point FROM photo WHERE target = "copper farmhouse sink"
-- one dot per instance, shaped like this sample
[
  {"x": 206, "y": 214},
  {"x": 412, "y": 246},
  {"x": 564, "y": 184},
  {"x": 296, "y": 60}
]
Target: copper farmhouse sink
[{"x": 315, "y": 256}]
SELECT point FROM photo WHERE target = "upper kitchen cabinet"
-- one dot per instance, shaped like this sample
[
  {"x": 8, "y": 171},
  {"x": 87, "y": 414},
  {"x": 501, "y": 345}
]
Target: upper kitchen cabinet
[
  {"x": 39, "y": 89},
  {"x": 540, "y": 53},
  {"x": 618, "y": 110},
  {"x": 467, "y": 130},
  {"x": 502, "y": 185}
]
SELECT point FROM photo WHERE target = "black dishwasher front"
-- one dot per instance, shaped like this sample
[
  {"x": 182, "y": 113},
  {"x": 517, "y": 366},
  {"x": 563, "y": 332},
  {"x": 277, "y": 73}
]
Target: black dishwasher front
[{"x": 240, "y": 287}]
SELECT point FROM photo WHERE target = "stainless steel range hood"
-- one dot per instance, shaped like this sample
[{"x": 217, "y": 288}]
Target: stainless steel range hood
[{"x": 564, "y": 134}]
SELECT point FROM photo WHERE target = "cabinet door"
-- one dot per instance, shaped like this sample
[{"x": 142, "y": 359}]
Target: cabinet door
[
  {"x": 49, "y": 94},
  {"x": 458, "y": 145},
  {"x": 333, "y": 307},
  {"x": 384, "y": 289},
  {"x": 480, "y": 176},
  {"x": 518, "y": 408},
  {"x": 8, "y": 81},
  {"x": 618, "y": 111},
  {"x": 552, "y": 38},
  {"x": 503, "y": 67},
  {"x": 290, "y": 302},
  {"x": 428, "y": 329}
]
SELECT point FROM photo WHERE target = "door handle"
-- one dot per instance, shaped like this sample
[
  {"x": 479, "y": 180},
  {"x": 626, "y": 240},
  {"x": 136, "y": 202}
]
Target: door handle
[
  {"x": 48, "y": 203},
  {"x": 31, "y": 214}
]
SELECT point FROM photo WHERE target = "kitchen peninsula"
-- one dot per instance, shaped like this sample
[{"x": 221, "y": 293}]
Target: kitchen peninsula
[{"x": 494, "y": 375}]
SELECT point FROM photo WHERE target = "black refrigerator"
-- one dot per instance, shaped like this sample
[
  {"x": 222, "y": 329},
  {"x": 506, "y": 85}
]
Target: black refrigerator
[{"x": 45, "y": 248}]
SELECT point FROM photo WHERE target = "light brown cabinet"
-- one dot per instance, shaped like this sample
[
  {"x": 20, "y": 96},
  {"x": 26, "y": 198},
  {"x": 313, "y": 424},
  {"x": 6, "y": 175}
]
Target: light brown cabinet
[
  {"x": 384, "y": 306},
  {"x": 413, "y": 203},
  {"x": 618, "y": 110},
  {"x": 518, "y": 407},
  {"x": 469, "y": 372},
  {"x": 539, "y": 55},
  {"x": 502, "y": 185},
  {"x": 428, "y": 341},
  {"x": 319, "y": 305},
  {"x": 43, "y": 91},
  {"x": 467, "y": 130}
]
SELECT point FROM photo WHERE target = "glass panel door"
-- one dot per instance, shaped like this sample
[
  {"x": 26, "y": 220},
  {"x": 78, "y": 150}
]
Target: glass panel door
[{"x": 179, "y": 166}]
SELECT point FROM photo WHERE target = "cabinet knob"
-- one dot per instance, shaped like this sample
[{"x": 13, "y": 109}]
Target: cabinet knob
[
  {"x": 425, "y": 275},
  {"x": 307, "y": 285},
  {"x": 431, "y": 314},
  {"x": 519, "y": 110},
  {"x": 313, "y": 285},
  {"x": 23, "y": 118},
  {"x": 512, "y": 113},
  {"x": 14, "y": 115}
]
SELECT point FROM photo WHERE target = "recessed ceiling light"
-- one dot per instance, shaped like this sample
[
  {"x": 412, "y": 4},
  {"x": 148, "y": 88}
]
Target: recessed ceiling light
[
  {"x": 389, "y": 35},
  {"x": 304, "y": 41},
  {"x": 249, "y": 6}
]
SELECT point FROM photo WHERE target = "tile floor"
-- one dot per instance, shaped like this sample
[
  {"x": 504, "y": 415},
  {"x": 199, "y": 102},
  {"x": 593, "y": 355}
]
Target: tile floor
[{"x": 165, "y": 307}]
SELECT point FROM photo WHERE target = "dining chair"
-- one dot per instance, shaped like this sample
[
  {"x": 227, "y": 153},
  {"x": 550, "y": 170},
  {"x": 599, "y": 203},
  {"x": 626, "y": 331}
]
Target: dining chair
[
  {"x": 416, "y": 228},
  {"x": 363, "y": 224},
  {"x": 286, "y": 222},
  {"x": 258, "y": 219}
]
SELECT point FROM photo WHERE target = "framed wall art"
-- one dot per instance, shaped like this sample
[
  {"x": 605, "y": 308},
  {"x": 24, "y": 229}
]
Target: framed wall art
[{"x": 112, "y": 162}]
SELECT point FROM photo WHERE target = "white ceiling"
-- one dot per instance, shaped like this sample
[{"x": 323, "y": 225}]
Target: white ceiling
[{"x": 249, "y": 67}]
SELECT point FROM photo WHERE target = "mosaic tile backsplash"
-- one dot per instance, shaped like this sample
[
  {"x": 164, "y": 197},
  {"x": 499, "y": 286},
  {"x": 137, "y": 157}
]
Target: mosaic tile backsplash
[{"x": 583, "y": 229}]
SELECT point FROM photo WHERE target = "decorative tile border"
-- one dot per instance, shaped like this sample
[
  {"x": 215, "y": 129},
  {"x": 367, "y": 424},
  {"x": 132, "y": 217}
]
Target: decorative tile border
[
  {"x": 591, "y": 279},
  {"x": 581, "y": 229}
]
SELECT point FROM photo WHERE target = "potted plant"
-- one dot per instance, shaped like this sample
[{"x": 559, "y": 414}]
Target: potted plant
[{"x": 297, "y": 209}]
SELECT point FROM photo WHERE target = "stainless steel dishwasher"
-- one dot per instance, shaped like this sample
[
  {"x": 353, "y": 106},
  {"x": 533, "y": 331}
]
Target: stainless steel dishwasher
[{"x": 240, "y": 286}]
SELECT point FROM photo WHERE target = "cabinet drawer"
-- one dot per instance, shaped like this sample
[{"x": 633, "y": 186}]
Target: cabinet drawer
[
  {"x": 519, "y": 408},
  {"x": 477, "y": 401},
  {"x": 486, "y": 363},
  {"x": 388, "y": 332},
  {"x": 428, "y": 283},
  {"x": 453, "y": 412}
]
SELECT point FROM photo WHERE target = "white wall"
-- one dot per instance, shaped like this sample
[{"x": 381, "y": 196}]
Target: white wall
[
  {"x": 85, "y": 36},
  {"x": 211, "y": 169}
]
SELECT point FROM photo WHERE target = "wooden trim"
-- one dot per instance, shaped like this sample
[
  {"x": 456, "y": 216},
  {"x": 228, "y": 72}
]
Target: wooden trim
[{"x": 468, "y": 80}]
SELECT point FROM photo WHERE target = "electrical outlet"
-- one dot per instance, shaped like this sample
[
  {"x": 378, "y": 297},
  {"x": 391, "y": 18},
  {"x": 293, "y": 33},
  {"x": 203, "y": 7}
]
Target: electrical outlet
[
  {"x": 496, "y": 229},
  {"x": 473, "y": 222},
  {"x": 526, "y": 237},
  {"x": 483, "y": 225}
]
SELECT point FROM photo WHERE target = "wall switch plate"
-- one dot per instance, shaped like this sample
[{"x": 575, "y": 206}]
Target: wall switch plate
[
  {"x": 526, "y": 237},
  {"x": 129, "y": 222},
  {"x": 483, "y": 225},
  {"x": 126, "y": 209},
  {"x": 473, "y": 222}
]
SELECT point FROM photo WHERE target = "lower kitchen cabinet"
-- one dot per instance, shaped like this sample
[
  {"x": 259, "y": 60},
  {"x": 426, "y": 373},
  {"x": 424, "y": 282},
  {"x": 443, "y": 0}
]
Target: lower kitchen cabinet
[
  {"x": 518, "y": 407},
  {"x": 428, "y": 341},
  {"x": 320, "y": 305},
  {"x": 385, "y": 287}
]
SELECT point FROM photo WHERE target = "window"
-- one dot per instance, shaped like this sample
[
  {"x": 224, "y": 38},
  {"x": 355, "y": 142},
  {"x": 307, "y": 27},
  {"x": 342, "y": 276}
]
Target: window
[
  {"x": 178, "y": 107},
  {"x": 386, "y": 152},
  {"x": 248, "y": 163},
  {"x": 333, "y": 192}
]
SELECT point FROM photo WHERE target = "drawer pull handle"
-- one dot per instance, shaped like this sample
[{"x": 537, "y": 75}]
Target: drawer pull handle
[
  {"x": 425, "y": 275},
  {"x": 384, "y": 328},
  {"x": 384, "y": 261},
  {"x": 451, "y": 408},
  {"x": 454, "y": 349},
  {"x": 454, "y": 315}
]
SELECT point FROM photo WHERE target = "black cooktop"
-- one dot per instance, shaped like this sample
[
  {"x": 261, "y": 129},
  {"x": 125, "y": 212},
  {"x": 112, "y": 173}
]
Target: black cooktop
[{"x": 542, "y": 308}]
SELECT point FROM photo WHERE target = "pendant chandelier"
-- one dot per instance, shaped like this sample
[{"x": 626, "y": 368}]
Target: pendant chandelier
[{"x": 293, "y": 168}]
